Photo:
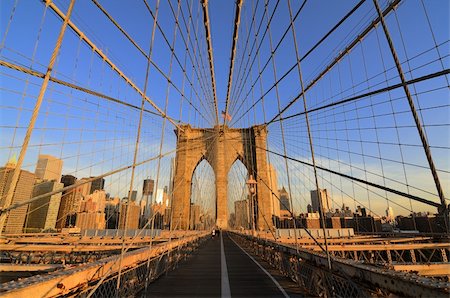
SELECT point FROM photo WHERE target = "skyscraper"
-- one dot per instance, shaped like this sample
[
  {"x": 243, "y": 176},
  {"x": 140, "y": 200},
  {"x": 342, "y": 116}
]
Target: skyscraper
[
  {"x": 325, "y": 199},
  {"x": 284, "y": 200},
  {"x": 98, "y": 184},
  {"x": 147, "y": 187},
  {"x": 390, "y": 214},
  {"x": 112, "y": 213},
  {"x": 48, "y": 168},
  {"x": 94, "y": 202},
  {"x": 92, "y": 211},
  {"x": 16, "y": 217},
  {"x": 133, "y": 195},
  {"x": 67, "y": 201},
  {"x": 147, "y": 192},
  {"x": 68, "y": 180},
  {"x": 132, "y": 214},
  {"x": 91, "y": 220},
  {"x": 273, "y": 184},
  {"x": 43, "y": 213},
  {"x": 72, "y": 202}
]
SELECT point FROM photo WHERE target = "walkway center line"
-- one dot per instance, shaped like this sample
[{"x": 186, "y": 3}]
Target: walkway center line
[
  {"x": 225, "y": 285},
  {"x": 264, "y": 270}
]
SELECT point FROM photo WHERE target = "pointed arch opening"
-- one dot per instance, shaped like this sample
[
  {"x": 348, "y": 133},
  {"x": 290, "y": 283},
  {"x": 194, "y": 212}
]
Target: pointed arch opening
[
  {"x": 202, "y": 211},
  {"x": 238, "y": 199}
]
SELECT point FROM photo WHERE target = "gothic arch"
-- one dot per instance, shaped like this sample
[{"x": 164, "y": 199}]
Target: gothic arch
[
  {"x": 221, "y": 147},
  {"x": 237, "y": 185},
  {"x": 203, "y": 180}
]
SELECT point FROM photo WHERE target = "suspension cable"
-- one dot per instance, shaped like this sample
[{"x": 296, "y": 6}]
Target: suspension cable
[
  {"x": 237, "y": 21},
  {"x": 210, "y": 54}
]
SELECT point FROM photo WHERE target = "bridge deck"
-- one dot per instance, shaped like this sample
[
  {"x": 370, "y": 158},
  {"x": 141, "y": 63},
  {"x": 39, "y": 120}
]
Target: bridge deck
[{"x": 215, "y": 270}]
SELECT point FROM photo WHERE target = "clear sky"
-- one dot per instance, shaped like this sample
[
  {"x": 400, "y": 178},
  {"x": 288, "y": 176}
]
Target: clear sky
[{"x": 373, "y": 138}]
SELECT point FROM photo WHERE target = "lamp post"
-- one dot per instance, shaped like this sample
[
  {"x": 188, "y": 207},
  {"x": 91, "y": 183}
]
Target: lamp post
[{"x": 251, "y": 183}]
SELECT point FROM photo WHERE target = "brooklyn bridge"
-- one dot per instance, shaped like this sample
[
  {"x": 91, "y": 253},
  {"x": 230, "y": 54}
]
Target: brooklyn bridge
[{"x": 246, "y": 148}]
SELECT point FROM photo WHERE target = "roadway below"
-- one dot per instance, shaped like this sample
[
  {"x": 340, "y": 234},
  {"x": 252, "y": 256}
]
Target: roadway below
[{"x": 221, "y": 268}]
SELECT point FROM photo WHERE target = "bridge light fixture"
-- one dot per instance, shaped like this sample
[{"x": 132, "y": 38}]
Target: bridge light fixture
[{"x": 251, "y": 183}]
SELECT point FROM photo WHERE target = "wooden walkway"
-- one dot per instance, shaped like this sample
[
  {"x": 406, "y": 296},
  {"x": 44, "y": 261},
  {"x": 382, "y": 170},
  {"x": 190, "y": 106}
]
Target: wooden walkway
[{"x": 220, "y": 268}]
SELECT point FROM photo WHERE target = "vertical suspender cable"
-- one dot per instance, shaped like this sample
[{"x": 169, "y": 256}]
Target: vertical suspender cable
[
  {"x": 37, "y": 106},
  {"x": 286, "y": 164},
  {"x": 311, "y": 147},
  {"x": 136, "y": 148},
  {"x": 443, "y": 209}
]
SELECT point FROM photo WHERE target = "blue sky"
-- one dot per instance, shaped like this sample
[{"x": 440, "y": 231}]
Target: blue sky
[{"x": 368, "y": 138}]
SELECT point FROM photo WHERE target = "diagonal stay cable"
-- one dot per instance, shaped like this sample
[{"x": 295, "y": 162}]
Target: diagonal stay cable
[
  {"x": 260, "y": 44},
  {"x": 74, "y": 86},
  {"x": 116, "y": 24},
  {"x": 172, "y": 49},
  {"x": 278, "y": 198},
  {"x": 244, "y": 51},
  {"x": 195, "y": 66},
  {"x": 99, "y": 52},
  {"x": 371, "y": 93},
  {"x": 356, "y": 41},
  {"x": 336, "y": 26},
  {"x": 339, "y": 57},
  {"x": 82, "y": 182},
  {"x": 391, "y": 190},
  {"x": 269, "y": 59}
]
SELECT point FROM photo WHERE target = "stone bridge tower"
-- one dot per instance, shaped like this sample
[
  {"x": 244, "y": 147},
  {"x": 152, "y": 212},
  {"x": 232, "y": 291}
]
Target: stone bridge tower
[{"x": 221, "y": 147}]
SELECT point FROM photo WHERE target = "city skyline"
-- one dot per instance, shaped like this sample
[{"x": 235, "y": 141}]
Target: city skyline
[
  {"x": 391, "y": 158},
  {"x": 218, "y": 148},
  {"x": 50, "y": 167}
]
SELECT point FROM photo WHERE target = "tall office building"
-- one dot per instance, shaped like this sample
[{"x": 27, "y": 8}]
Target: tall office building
[
  {"x": 147, "y": 187},
  {"x": 147, "y": 193},
  {"x": 112, "y": 212},
  {"x": 284, "y": 200},
  {"x": 68, "y": 180},
  {"x": 43, "y": 213},
  {"x": 48, "y": 168},
  {"x": 133, "y": 195},
  {"x": 273, "y": 184},
  {"x": 142, "y": 207},
  {"x": 94, "y": 202},
  {"x": 91, "y": 214},
  {"x": 91, "y": 220},
  {"x": 98, "y": 184},
  {"x": 323, "y": 197},
  {"x": 159, "y": 196},
  {"x": 132, "y": 214},
  {"x": 73, "y": 205},
  {"x": 67, "y": 201},
  {"x": 16, "y": 218},
  {"x": 390, "y": 214}
]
